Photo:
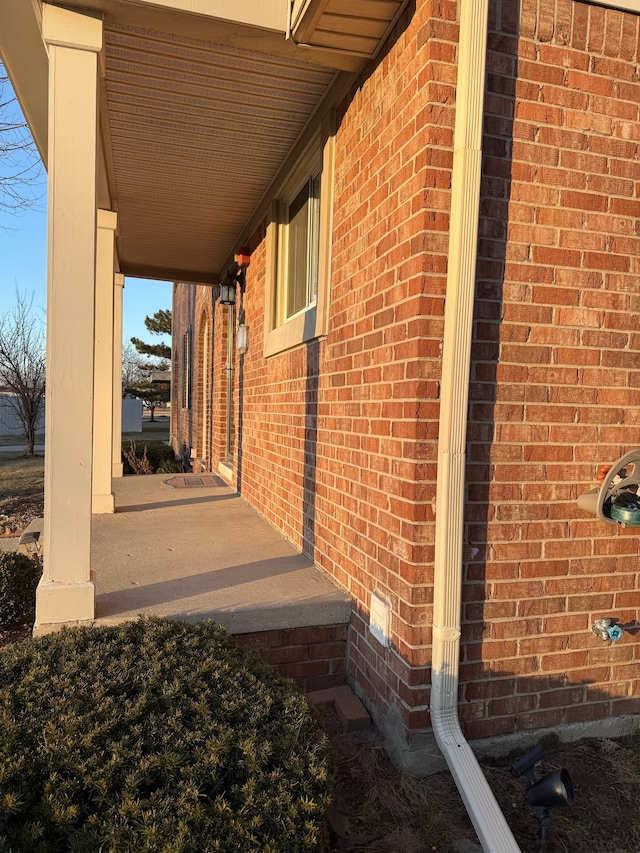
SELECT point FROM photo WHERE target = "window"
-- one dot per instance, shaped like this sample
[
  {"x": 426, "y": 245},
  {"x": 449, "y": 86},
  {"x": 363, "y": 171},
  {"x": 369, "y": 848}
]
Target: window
[
  {"x": 299, "y": 246},
  {"x": 302, "y": 248},
  {"x": 186, "y": 369}
]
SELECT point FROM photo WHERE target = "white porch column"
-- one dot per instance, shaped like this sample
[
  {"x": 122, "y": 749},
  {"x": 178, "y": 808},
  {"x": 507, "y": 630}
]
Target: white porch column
[
  {"x": 66, "y": 593},
  {"x": 103, "y": 499},
  {"x": 116, "y": 452}
]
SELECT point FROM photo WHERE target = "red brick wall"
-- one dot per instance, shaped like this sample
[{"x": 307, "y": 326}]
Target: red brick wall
[
  {"x": 337, "y": 442},
  {"x": 556, "y": 371},
  {"x": 191, "y": 309},
  {"x": 394, "y": 158},
  {"x": 315, "y": 658}
]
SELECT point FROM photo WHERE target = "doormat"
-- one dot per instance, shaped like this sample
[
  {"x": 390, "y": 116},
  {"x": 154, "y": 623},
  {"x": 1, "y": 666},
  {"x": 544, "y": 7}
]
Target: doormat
[{"x": 190, "y": 481}]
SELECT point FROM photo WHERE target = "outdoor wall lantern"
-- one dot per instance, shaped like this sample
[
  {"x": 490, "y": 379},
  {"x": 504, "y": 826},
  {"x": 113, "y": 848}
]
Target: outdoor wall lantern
[
  {"x": 235, "y": 277},
  {"x": 228, "y": 290},
  {"x": 554, "y": 789}
]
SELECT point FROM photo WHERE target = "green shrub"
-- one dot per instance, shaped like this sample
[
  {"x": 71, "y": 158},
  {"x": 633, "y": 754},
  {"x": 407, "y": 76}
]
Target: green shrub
[
  {"x": 19, "y": 576},
  {"x": 156, "y": 452},
  {"x": 169, "y": 466},
  {"x": 155, "y": 736}
]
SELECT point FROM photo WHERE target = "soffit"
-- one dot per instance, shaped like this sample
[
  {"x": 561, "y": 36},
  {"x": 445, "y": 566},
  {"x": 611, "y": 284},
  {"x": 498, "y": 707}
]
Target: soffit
[{"x": 195, "y": 132}]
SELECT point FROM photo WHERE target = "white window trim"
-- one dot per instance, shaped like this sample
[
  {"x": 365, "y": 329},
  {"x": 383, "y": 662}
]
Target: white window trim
[{"x": 317, "y": 155}]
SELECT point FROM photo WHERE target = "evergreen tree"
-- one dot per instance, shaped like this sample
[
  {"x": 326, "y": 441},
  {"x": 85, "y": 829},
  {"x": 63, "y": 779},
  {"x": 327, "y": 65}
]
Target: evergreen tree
[
  {"x": 138, "y": 383},
  {"x": 159, "y": 324}
]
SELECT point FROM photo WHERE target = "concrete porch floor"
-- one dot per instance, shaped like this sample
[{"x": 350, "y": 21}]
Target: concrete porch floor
[{"x": 203, "y": 553}]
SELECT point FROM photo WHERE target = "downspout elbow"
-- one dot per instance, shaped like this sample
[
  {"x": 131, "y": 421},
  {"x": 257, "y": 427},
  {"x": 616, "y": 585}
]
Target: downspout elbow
[{"x": 487, "y": 818}]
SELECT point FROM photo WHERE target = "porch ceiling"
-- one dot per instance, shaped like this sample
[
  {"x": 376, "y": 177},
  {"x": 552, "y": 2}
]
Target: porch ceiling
[
  {"x": 195, "y": 133},
  {"x": 201, "y": 101}
]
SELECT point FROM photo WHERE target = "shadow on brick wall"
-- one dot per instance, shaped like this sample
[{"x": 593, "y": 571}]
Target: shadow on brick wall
[
  {"x": 239, "y": 453},
  {"x": 309, "y": 477},
  {"x": 496, "y": 188}
]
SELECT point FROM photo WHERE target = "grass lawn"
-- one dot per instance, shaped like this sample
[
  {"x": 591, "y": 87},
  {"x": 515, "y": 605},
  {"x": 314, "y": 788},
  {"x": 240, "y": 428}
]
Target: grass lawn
[
  {"x": 21, "y": 491},
  {"x": 17, "y": 440},
  {"x": 20, "y": 476}
]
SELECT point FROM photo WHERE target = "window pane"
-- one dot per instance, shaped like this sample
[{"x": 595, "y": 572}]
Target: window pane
[
  {"x": 298, "y": 253},
  {"x": 314, "y": 242}
]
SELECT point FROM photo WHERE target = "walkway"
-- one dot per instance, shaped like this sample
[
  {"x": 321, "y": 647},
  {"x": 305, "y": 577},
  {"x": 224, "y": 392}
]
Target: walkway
[{"x": 203, "y": 552}]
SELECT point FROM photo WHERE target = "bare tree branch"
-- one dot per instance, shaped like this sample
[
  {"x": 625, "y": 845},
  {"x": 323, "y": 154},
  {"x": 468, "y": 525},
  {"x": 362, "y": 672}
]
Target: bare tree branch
[
  {"x": 137, "y": 382},
  {"x": 21, "y": 184},
  {"x": 22, "y": 365},
  {"x": 134, "y": 367}
]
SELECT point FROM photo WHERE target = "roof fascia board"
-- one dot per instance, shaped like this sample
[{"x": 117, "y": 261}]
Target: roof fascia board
[
  {"x": 267, "y": 14},
  {"x": 147, "y": 271}
]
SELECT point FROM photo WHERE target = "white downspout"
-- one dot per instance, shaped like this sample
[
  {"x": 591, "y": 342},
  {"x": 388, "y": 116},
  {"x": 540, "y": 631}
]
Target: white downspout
[{"x": 489, "y": 822}]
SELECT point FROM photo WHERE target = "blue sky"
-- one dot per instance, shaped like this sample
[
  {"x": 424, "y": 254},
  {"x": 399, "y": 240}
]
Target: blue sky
[{"x": 23, "y": 265}]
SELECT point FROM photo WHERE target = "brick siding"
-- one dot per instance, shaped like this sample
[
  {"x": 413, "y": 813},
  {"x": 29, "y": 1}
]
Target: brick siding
[
  {"x": 315, "y": 658},
  {"x": 555, "y": 370},
  {"x": 337, "y": 441}
]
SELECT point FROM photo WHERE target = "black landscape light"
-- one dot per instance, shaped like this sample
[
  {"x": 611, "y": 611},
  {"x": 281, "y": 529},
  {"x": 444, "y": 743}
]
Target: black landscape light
[{"x": 553, "y": 789}]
